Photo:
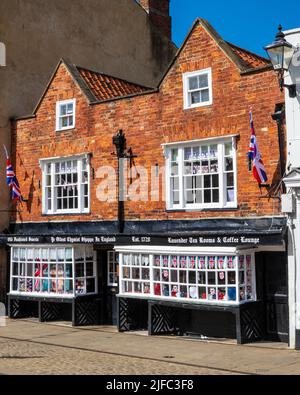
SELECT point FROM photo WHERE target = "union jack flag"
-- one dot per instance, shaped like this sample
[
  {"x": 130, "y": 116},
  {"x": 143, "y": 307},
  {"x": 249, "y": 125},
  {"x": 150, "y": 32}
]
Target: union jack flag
[
  {"x": 12, "y": 180},
  {"x": 212, "y": 262},
  {"x": 201, "y": 262},
  {"x": 231, "y": 262},
  {"x": 192, "y": 262},
  {"x": 183, "y": 262},
  {"x": 221, "y": 261},
  {"x": 259, "y": 171},
  {"x": 174, "y": 261}
]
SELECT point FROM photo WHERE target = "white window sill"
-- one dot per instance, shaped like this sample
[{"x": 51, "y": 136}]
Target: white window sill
[
  {"x": 184, "y": 300},
  {"x": 203, "y": 208},
  {"x": 204, "y": 104},
  {"x": 58, "y": 213},
  {"x": 42, "y": 295},
  {"x": 65, "y": 129}
]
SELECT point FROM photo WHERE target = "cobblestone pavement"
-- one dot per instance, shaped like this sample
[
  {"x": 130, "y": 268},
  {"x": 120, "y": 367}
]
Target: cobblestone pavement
[{"x": 28, "y": 347}]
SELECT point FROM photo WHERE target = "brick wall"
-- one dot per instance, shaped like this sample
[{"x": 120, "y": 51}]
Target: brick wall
[{"x": 149, "y": 121}]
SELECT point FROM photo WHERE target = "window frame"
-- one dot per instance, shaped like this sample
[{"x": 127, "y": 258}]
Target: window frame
[
  {"x": 49, "y": 278},
  {"x": 186, "y": 91},
  {"x": 112, "y": 258},
  {"x": 45, "y": 200},
  {"x": 171, "y": 252},
  {"x": 180, "y": 146},
  {"x": 58, "y": 117}
]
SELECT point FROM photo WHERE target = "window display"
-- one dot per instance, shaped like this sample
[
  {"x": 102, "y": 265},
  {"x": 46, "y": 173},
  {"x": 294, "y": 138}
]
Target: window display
[
  {"x": 112, "y": 268},
  {"x": 60, "y": 271},
  {"x": 216, "y": 279}
]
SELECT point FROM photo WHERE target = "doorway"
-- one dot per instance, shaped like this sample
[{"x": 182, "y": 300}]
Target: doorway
[
  {"x": 275, "y": 296},
  {"x": 108, "y": 269}
]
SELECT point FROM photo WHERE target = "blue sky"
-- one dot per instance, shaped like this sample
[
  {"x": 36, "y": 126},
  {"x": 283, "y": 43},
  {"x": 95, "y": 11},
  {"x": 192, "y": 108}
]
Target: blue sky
[{"x": 249, "y": 24}]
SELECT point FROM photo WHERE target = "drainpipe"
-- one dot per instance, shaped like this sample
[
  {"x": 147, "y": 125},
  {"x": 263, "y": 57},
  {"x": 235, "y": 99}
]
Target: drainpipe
[{"x": 279, "y": 116}]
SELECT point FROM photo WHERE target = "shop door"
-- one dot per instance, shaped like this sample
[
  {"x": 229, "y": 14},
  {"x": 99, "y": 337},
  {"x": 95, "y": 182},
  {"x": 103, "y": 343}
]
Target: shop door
[
  {"x": 276, "y": 296},
  {"x": 108, "y": 269}
]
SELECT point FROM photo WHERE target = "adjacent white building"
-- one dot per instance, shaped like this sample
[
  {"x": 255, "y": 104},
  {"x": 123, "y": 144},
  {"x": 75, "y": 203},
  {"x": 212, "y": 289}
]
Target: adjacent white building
[{"x": 291, "y": 202}]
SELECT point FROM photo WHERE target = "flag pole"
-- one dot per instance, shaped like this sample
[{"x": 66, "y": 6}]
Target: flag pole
[{"x": 6, "y": 152}]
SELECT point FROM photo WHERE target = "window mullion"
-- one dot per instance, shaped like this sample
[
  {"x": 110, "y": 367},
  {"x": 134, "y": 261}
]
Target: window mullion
[
  {"x": 181, "y": 180},
  {"x": 53, "y": 191},
  {"x": 222, "y": 174},
  {"x": 80, "y": 186}
]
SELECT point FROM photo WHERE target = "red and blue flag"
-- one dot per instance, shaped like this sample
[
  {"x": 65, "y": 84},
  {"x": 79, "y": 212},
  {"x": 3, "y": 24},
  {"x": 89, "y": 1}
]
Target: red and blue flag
[
  {"x": 12, "y": 180},
  {"x": 259, "y": 171}
]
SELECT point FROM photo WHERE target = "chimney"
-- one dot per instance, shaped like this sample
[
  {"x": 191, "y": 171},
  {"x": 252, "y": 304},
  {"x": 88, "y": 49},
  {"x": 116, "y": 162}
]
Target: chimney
[{"x": 159, "y": 13}]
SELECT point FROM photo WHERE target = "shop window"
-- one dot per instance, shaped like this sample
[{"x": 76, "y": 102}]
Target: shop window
[
  {"x": 202, "y": 176},
  {"x": 112, "y": 268},
  {"x": 197, "y": 87},
  {"x": 136, "y": 274},
  {"x": 209, "y": 279},
  {"x": 66, "y": 185},
  {"x": 65, "y": 115},
  {"x": 54, "y": 271}
]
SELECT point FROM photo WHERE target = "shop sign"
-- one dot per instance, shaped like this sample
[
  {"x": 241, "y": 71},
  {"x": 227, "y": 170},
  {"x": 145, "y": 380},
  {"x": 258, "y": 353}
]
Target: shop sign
[{"x": 180, "y": 240}]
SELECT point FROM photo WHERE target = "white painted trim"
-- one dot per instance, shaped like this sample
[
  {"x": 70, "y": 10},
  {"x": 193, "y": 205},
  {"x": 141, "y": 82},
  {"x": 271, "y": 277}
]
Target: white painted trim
[
  {"x": 85, "y": 155},
  {"x": 57, "y": 117},
  {"x": 175, "y": 250},
  {"x": 54, "y": 210},
  {"x": 199, "y": 141},
  {"x": 186, "y": 77}
]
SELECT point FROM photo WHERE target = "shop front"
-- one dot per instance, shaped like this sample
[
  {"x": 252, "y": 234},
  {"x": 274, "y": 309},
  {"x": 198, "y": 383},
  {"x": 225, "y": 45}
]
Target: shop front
[{"x": 219, "y": 279}]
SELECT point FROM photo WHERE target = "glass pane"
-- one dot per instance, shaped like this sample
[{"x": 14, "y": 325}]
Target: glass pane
[
  {"x": 89, "y": 269},
  {"x": 221, "y": 278},
  {"x": 202, "y": 293},
  {"x": 231, "y": 278},
  {"x": 216, "y": 196},
  {"x": 195, "y": 97},
  {"x": 228, "y": 149},
  {"x": 90, "y": 285},
  {"x": 174, "y": 155},
  {"x": 211, "y": 278},
  {"x": 187, "y": 153},
  {"x": 212, "y": 295},
  {"x": 202, "y": 278},
  {"x": 63, "y": 109},
  {"x": 207, "y": 196},
  {"x": 228, "y": 164},
  {"x": 205, "y": 95},
  {"x": 232, "y": 294},
  {"x": 193, "y": 83},
  {"x": 204, "y": 151},
  {"x": 203, "y": 80}
]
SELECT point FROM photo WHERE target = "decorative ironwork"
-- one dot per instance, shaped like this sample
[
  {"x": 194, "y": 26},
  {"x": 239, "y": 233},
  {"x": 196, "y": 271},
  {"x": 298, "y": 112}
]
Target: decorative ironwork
[
  {"x": 85, "y": 313},
  {"x": 162, "y": 320},
  {"x": 251, "y": 322},
  {"x": 130, "y": 316},
  {"x": 50, "y": 312},
  {"x": 15, "y": 310}
]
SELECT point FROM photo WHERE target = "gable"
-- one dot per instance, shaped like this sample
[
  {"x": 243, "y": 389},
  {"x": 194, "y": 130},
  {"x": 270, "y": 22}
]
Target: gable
[{"x": 202, "y": 34}]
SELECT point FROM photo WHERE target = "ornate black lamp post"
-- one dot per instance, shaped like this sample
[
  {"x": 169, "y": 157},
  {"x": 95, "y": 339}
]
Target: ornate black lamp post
[{"x": 281, "y": 54}]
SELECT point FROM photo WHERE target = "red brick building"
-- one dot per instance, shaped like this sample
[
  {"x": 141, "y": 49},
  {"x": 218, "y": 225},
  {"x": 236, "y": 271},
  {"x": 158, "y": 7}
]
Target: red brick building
[{"x": 202, "y": 247}]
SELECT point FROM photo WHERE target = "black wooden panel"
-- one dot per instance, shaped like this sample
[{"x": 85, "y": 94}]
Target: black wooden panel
[
  {"x": 22, "y": 309},
  {"x": 251, "y": 322},
  {"x": 86, "y": 311},
  {"x": 50, "y": 312},
  {"x": 161, "y": 320},
  {"x": 132, "y": 314}
]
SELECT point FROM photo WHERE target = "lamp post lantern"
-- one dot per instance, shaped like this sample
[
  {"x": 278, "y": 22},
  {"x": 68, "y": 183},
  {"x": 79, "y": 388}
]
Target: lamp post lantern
[{"x": 281, "y": 54}]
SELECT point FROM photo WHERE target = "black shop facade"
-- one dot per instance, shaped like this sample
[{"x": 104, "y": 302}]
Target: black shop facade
[{"x": 214, "y": 278}]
